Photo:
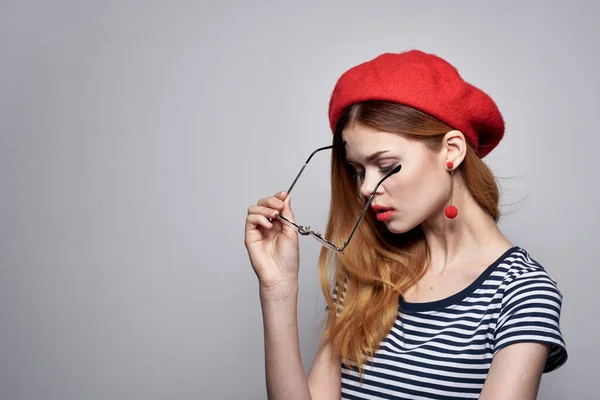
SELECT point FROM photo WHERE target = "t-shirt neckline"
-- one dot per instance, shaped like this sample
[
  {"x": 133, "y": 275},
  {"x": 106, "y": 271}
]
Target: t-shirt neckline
[{"x": 452, "y": 299}]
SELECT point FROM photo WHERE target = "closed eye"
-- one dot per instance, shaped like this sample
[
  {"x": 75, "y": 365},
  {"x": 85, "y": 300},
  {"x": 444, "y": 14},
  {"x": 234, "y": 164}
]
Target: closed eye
[
  {"x": 360, "y": 174},
  {"x": 386, "y": 169}
]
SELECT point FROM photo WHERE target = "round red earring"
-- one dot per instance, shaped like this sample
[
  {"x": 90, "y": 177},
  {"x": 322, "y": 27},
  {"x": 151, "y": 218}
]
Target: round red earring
[{"x": 451, "y": 211}]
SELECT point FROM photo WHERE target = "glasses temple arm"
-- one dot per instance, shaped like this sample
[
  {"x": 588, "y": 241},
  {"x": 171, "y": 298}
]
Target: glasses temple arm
[
  {"x": 364, "y": 211},
  {"x": 307, "y": 161}
]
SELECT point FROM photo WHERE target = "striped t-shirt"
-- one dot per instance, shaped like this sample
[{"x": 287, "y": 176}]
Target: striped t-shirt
[{"x": 444, "y": 349}]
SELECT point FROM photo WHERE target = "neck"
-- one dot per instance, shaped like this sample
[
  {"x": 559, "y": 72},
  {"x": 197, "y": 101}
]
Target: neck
[{"x": 473, "y": 235}]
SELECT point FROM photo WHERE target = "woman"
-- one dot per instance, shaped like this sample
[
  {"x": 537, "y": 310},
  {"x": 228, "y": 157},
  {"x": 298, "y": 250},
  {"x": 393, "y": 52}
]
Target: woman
[{"x": 435, "y": 302}]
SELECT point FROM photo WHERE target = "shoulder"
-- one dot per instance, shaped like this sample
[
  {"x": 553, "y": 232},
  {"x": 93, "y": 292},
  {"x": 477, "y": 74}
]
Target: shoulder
[{"x": 520, "y": 269}]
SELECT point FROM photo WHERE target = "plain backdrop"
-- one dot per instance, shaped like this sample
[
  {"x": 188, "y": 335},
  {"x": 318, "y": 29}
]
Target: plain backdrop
[{"x": 134, "y": 136}]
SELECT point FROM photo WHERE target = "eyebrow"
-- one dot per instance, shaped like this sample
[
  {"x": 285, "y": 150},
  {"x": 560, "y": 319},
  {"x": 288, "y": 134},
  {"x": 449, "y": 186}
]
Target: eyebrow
[{"x": 369, "y": 158}]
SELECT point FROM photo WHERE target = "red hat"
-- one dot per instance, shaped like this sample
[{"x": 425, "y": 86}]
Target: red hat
[{"x": 425, "y": 82}]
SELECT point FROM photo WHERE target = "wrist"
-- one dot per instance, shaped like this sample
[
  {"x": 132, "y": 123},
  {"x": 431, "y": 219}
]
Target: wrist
[{"x": 279, "y": 291}]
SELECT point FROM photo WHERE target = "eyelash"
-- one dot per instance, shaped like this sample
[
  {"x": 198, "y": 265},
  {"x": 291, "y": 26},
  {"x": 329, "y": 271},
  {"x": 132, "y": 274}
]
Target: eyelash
[{"x": 382, "y": 170}]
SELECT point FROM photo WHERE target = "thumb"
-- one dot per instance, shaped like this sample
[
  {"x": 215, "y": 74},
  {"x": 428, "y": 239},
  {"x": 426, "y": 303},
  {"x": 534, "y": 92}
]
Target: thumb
[
  {"x": 287, "y": 209},
  {"x": 287, "y": 213}
]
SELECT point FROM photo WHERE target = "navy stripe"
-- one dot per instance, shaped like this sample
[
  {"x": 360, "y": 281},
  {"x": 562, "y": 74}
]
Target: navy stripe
[
  {"x": 420, "y": 374},
  {"x": 449, "y": 330},
  {"x": 407, "y": 391},
  {"x": 456, "y": 315},
  {"x": 465, "y": 361},
  {"x": 456, "y": 325},
  {"x": 464, "y": 369}
]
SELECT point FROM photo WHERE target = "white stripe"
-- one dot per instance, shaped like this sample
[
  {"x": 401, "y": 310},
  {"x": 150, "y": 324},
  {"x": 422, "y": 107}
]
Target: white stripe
[
  {"x": 399, "y": 364},
  {"x": 528, "y": 338},
  {"x": 450, "y": 364},
  {"x": 526, "y": 290},
  {"x": 447, "y": 330},
  {"x": 434, "y": 353},
  {"x": 394, "y": 383},
  {"x": 455, "y": 318}
]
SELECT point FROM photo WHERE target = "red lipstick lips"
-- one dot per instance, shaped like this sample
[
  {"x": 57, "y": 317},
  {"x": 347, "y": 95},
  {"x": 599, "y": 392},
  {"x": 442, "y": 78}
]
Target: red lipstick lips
[{"x": 382, "y": 213}]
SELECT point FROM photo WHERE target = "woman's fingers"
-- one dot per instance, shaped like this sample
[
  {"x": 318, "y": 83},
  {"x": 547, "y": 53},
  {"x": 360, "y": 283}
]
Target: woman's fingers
[
  {"x": 255, "y": 220},
  {"x": 281, "y": 195},
  {"x": 271, "y": 202},
  {"x": 261, "y": 210},
  {"x": 286, "y": 201},
  {"x": 257, "y": 227},
  {"x": 286, "y": 211},
  {"x": 264, "y": 215}
]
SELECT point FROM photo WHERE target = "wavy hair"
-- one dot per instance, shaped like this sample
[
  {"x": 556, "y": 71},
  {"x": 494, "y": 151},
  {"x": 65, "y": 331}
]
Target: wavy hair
[{"x": 379, "y": 266}]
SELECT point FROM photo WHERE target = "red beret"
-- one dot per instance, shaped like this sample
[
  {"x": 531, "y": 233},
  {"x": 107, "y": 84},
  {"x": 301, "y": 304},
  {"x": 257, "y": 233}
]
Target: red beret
[{"x": 425, "y": 82}]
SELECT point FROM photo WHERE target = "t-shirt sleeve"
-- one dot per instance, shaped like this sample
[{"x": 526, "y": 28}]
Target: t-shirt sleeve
[{"x": 530, "y": 312}]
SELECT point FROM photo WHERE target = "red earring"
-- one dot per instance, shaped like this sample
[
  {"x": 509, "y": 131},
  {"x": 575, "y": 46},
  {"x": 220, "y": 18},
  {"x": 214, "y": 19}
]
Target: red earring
[{"x": 451, "y": 211}]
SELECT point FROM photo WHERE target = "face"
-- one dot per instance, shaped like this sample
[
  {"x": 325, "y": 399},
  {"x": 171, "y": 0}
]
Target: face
[{"x": 418, "y": 192}]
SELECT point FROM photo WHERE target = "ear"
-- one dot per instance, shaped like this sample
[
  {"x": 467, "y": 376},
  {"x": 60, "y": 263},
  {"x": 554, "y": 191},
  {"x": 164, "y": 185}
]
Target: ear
[{"x": 454, "y": 147}]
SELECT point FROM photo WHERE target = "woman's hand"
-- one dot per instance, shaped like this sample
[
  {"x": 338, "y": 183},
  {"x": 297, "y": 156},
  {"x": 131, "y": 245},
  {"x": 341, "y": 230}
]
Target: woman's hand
[{"x": 272, "y": 244}]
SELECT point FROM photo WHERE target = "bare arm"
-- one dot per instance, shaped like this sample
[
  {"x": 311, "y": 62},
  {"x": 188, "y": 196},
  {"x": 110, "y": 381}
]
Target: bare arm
[
  {"x": 274, "y": 254},
  {"x": 325, "y": 376},
  {"x": 516, "y": 372},
  {"x": 283, "y": 364}
]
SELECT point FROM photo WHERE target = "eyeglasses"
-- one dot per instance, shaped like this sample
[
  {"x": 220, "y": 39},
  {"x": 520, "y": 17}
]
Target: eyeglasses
[{"x": 306, "y": 231}]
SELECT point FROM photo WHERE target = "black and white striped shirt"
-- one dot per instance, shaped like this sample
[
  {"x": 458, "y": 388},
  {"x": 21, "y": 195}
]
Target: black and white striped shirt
[{"x": 444, "y": 349}]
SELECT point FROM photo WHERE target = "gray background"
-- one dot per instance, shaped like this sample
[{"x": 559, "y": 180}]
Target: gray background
[{"x": 134, "y": 135}]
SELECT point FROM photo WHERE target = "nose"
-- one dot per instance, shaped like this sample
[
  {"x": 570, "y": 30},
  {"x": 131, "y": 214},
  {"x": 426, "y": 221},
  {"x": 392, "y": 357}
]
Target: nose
[{"x": 368, "y": 185}]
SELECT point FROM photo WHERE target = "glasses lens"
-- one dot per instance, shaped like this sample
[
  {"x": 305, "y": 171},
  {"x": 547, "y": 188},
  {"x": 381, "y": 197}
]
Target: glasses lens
[{"x": 311, "y": 192}]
